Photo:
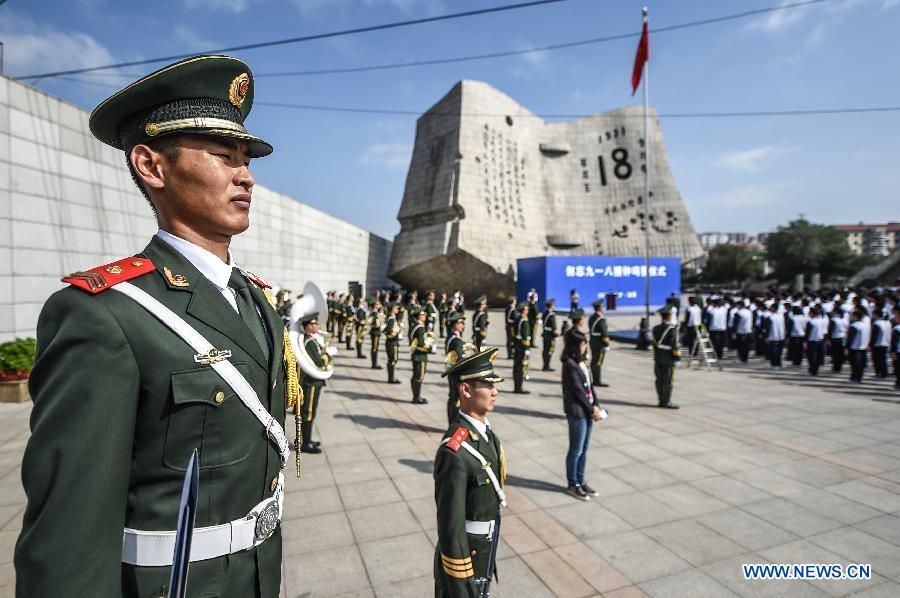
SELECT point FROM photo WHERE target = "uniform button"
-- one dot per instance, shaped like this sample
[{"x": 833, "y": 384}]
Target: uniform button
[
  {"x": 274, "y": 484},
  {"x": 474, "y": 552},
  {"x": 220, "y": 396}
]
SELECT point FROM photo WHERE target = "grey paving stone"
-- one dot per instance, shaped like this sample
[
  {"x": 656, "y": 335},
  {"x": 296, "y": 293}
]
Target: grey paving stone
[
  {"x": 518, "y": 581},
  {"x": 886, "y": 527},
  {"x": 643, "y": 476},
  {"x": 359, "y": 471},
  {"x": 816, "y": 472},
  {"x": 637, "y": 556},
  {"x": 368, "y": 494},
  {"x": 886, "y": 589},
  {"x": 414, "y": 485},
  {"x": 683, "y": 469},
  {"x": 728, "y": 572},
  {"x": 830, "y": 505},
  {"x": 792, "y": 517},
  {"x": 745, "y": 529},
  {"x": 390, "y": 560},
  {"x": 641, "y": 510},
  {"x": 720, "y": 461},
  {"x": 315, "y": 501},
  {"x": 643, "y": 451},
  {"x": 867, "y": 494},
  {"x": 410, "y": 588},
  {"x": 382, "y": 521},
  {"x": 327, "y": 573},
  {"x": 589, "y": 520},
  {"x": 692, "y": 583},
  {"x": 330, "y": 530},
  {"x": 687, "y": 499},
  {"x": 771, "y": 482},
  {"x": 860, "y": 547}
]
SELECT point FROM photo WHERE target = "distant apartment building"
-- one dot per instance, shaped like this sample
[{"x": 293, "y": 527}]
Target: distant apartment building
[
  {"x": 710, "y": 240},
  {"x": 877, "y": 240}
]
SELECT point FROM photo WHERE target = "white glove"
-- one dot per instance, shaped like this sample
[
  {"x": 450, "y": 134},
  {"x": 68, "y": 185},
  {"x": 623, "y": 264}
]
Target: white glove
[{"x": 332, "y": 351}]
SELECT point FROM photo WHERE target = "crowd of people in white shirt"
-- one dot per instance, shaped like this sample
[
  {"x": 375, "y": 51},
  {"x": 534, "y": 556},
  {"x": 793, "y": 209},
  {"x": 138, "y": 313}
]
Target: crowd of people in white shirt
[{"x": 848, "y": 326}]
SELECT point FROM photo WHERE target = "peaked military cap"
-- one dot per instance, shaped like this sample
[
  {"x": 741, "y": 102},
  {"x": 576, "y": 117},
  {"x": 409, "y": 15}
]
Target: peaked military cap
[
  {"x": 309, "y": 319},
  {"x": 414, "y": 312},
  {"x": 482, "y": 299},
  {"x": 479, "y": 366},
  {"x": 370, "y": 299},
  {"x": 455, "y": 317},
  {"x": 522, "y": 305},
  {"x": 598, "y": 303},
  {"x": 391, "y": 305},
  {"x": 576, "y": 314},
  {"x": 550, "y": 302},
  {"x": 202, "y": 95}
]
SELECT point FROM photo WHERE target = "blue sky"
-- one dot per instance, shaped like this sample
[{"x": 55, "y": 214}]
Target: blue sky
[{"x": 744, "y": 174}]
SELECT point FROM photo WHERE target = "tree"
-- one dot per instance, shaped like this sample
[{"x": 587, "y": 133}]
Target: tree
[
  {"x": 805, "y": 248},
  {"x": 732, "y": 263}
]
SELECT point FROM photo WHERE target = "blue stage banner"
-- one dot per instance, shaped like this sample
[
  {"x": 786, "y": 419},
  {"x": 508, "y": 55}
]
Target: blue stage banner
[{"x": 595, "y": 277}]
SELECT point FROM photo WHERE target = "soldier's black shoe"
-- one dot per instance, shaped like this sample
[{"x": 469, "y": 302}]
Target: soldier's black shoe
[
  {"x": 669, "y": 406},
  {"x": 310, "y": 448},
  {"x": 578, "y": 492},
  {"x": 394, "y": 382},
  {"x": 522, "y": 392},
  {"x": 377, "y": 367},
  {"x": 588, "y": 490},
  {"x": 420, "y": 401},
  {"x": 601, "y": 384}
]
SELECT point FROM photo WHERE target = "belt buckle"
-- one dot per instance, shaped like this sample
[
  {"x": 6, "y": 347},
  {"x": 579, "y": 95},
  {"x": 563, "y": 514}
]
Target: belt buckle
[{"x": 267, "y": 520}]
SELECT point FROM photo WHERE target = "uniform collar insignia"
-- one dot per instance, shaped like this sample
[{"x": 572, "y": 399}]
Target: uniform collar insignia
[{"x": 176, "y": 280}]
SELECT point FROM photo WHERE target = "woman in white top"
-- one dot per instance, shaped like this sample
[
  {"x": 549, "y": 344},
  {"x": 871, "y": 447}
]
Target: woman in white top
[
  {"x": 858, "y": 343},
  {"x": 816, "y": 329}
]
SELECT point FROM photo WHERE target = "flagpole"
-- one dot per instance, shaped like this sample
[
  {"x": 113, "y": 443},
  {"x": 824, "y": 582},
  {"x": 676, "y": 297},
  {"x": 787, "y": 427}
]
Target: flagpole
[{"x": 647, "y": 223}]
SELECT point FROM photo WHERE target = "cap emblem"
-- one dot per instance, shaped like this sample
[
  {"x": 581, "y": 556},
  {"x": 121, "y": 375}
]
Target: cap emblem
[{"x": 240, "y": 85}]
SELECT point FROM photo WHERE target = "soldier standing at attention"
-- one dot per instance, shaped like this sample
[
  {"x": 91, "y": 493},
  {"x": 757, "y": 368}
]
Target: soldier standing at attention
[
  {"x": 360, "y": 318},
  {"x": 534, "y": 314},
  {"x": 349, "y": 311},
  {"x": 521, "y": 349},
  {"x": 376, "y": 324},
  {"x": 443, "y": 311},
  {"x": 454, "y": 348},
  {"x": 392, "y": 340},
  {"x": 510, "y": 318},
  {"x": 469, "y": 473},
  {"x": 339, "y": 317},
  {"x": 431, "y": 313},
  {"x": 312, "y": 387},
  {"x": 122, "y": 399},
  {"x": 480, "y": 322},
  {"x": 411, "y": 306},
  {"x": 419, "y": 349},
  {"x": 573, "y": 300},
  {"x": 599, "y": 341},
  {"x": 666, "y": 352},
  {"x": 549, "y": 334}
]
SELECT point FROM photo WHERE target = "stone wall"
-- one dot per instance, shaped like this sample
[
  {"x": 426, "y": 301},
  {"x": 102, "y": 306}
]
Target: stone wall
[{"x": 67, "y": 203}]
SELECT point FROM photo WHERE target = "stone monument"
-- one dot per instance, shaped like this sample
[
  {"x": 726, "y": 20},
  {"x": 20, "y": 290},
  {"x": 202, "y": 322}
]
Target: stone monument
[{"x": 490, "y": 182}]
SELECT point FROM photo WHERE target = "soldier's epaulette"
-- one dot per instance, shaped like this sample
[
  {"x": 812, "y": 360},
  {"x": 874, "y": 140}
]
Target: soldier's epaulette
[
  {"x": 259, "y": 281},
  {"x": 457, "y": 439},
  {"x": 103, "y": 277}
]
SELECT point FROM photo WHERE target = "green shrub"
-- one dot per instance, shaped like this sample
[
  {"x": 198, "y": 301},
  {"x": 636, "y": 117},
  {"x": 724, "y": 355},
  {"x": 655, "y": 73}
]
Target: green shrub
[{"x": 17, "y": 358}]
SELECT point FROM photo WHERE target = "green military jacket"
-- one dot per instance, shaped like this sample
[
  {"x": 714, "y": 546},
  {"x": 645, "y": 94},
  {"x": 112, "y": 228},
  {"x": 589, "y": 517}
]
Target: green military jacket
[
  {"x": 361, "y": 316},
  {"x": 598, "y": 330},
  {"x": 523, "y": 332},
  {"x": 454, "y": 349},
  {"x": 374, "y": 327},
  {"x": 317, "y": 357},
  {"x": 480, "y": 324},
  {"x": 550, "y": 324},
  {"x": 392, "y": 330},
  {"x": 431, "y": 313},
  {"x": 463, "y": 491},
  {"x": 666, "y": 346},
  {"x": 119, "y": 405},
  {"x": 419, "y": 351}
]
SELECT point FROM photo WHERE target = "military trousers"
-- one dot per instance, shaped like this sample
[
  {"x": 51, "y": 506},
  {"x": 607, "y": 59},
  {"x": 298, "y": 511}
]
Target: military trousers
[
  {"x": 665, "y": 381},
  {"x": 477, "y": 340},
  {"x": 598, "y": 356},
  {"x": 549, "y": 348},
  {"x": 360, "y": 335},
  {"x": 520, "y": 366},
  {"x": 311, "y": 396},
  {"x": 510, "y": 342},
  {"x": 392, "y": 348},
  {"x": 376, "y": 339}
]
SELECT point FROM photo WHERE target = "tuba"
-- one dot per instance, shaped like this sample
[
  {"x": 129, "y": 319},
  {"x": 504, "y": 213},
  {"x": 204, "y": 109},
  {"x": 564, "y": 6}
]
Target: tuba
[{"x": 312, "y": 302}]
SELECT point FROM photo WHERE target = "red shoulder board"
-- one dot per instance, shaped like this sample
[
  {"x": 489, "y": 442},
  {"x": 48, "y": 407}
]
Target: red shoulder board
[
  {"x": 259, "y": 281},
  {"x": 457, "y": 439},
  {"x": 103, "y": 277}
]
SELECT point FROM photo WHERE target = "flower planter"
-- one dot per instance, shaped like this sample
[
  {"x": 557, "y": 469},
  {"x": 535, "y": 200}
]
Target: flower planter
[{"x": 14, "y": 391}]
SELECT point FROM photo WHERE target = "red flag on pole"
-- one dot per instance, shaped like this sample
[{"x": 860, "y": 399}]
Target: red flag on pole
[{"x": 642, "y": 56}]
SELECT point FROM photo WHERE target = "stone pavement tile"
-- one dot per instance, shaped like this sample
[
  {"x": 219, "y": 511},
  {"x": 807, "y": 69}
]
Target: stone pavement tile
[
  {"x": 548, "y": 529},
  {"x": 391, "y": 448},
  {"x": 363, "y": 594},
  {"x": 687, "y": 499},
  {"x": 642, "y": 476},
  {"x": 643, "y": 432},
  {"x": 688, "y": 584},
  {"x": 745, "y": 529},
  {"x": 603, "y": 458},
  {"x": 327, "y": 573},
  {"x": 517, "y": 580},
  {"x": 886, "y": 589},
  {"x": 768, "y": 457},
  {"x": 410, "y": 588},
  {"x": 559, "y": 576},
  {"x": 637, "y": 556},
  {"x": 368, "y": 494},
  {"x": 358, "y": 471},
  {"x": 769, "y": 431},
  {"x": 830, "y": 505},
  {"x": 728, "y": 572},
  {"x": 613, "y": 437},
  {"x": 683, "y": 469},
  {"x": 545, "y": 495},
  {"x": 642, "y": 451},
  {"x": 602, "y": 576},
  {"x": 315, "y": 473},
  {"x": 719, "y": 442},
  {"x": 404, "y": 464},
  {"x": 773, "y": 483},
  {"x": 820, "y": 444},
  {"x": 382, "y": 521},
  {"x": 519, "y": 536},
  {"x": 628, "y": 592},
  {"x": 589, "y": 520},
  {"x": 414, "y": 485},
  {"x": 731, "y": 490},
  {"x": 854, "y": 437},
  {"x": 891, "y": 449},
  {"x": 15, "y": 524},
  {"x": 816, "y": 472},
  {"x": 868, "y": 494},
  {"x": 680, "y": 446},
  {"x": 864, "y": 456},
  {"x": 330, "y": 530},
  {"x": 605, "y": 483},
  {"x": 641, "y": 510},
  {"x": 7, "y": 579},
  {"x": 7, "y": 513},
  {"x": 875, "y": 433},
  {"x": 11, "y": 492},
  {"x": 695, "y": 543},
  {"x": 859, "y": 547},
  {"x": 792, "y": 517},
  {"x": 315, "y": 501},
  {"x": 517, "y": 501},
  {"x": 721, "y": 461},
  {"x": 345, "y": 453},
  {"x": 390, "y": 560},
  {"x": 425, "y": 512},
  {"x": 886, "y": 527}
]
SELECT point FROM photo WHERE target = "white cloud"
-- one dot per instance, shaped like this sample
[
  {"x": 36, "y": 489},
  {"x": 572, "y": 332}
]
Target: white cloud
[
  {"x": 393, "y": 156},
  {"x": 751, "y": 196},
  {"x": 779, "y": 19},
  {"x": 234, "y": 6},
  {"x": 191, "y": 40},
  {"x": 750, "y": 160},
  {"x": 31, "y": 47},
  {"x": 311, "y": 7}
]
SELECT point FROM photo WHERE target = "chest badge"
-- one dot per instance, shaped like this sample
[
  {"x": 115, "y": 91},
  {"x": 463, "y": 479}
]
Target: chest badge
[{"x": 212, "y": 356}]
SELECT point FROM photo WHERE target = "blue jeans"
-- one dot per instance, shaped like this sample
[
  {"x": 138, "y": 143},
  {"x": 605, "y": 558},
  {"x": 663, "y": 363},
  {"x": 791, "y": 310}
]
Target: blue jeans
[{"x": 579, "y": 439}]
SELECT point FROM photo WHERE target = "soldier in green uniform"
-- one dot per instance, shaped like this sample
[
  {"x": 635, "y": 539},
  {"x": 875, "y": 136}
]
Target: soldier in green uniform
[
  {"x": 392, "y": 340},
  {"x": 431, "y": 313},
  {"x": 666, "y": 352},
  {"x": 122, "y": 399},
  {"x": 443, "y": 311},
  {"x": 510, "y": 316},
  {"x": 360, "y": 318},
  {"x": 521, "y": 349},
  {"x": 411, "y": 306},
  {"x": 339, "y": 316},
  {"x": 376, "y": 325},
  {"x": 329, "y": 303},
  {"x": 480, "y": 322},
  {"x": 550, "y": 334},
  {"x": 419, "y": 348},
  {"x": 349, "y": 313},
  {"x": 312, "y": 387},
  {"x": 599, "y": 341},
  {"x": 469, "y": 473},
  {"x": 534, "y": 314},
  {"x": 453, "y": 349}
]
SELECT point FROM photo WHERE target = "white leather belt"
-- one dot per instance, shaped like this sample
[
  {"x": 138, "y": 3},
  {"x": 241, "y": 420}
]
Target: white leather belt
[
  {"x": 155, "y": 549},
  {"x": 480, "y": 528}
]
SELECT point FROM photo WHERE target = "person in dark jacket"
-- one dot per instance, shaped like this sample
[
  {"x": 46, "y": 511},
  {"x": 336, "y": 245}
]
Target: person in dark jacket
[{"x": 582, "y": 411}]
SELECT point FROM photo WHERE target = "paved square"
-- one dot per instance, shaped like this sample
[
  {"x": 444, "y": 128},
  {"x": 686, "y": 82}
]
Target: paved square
[{"x": 758, "y": 466}]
